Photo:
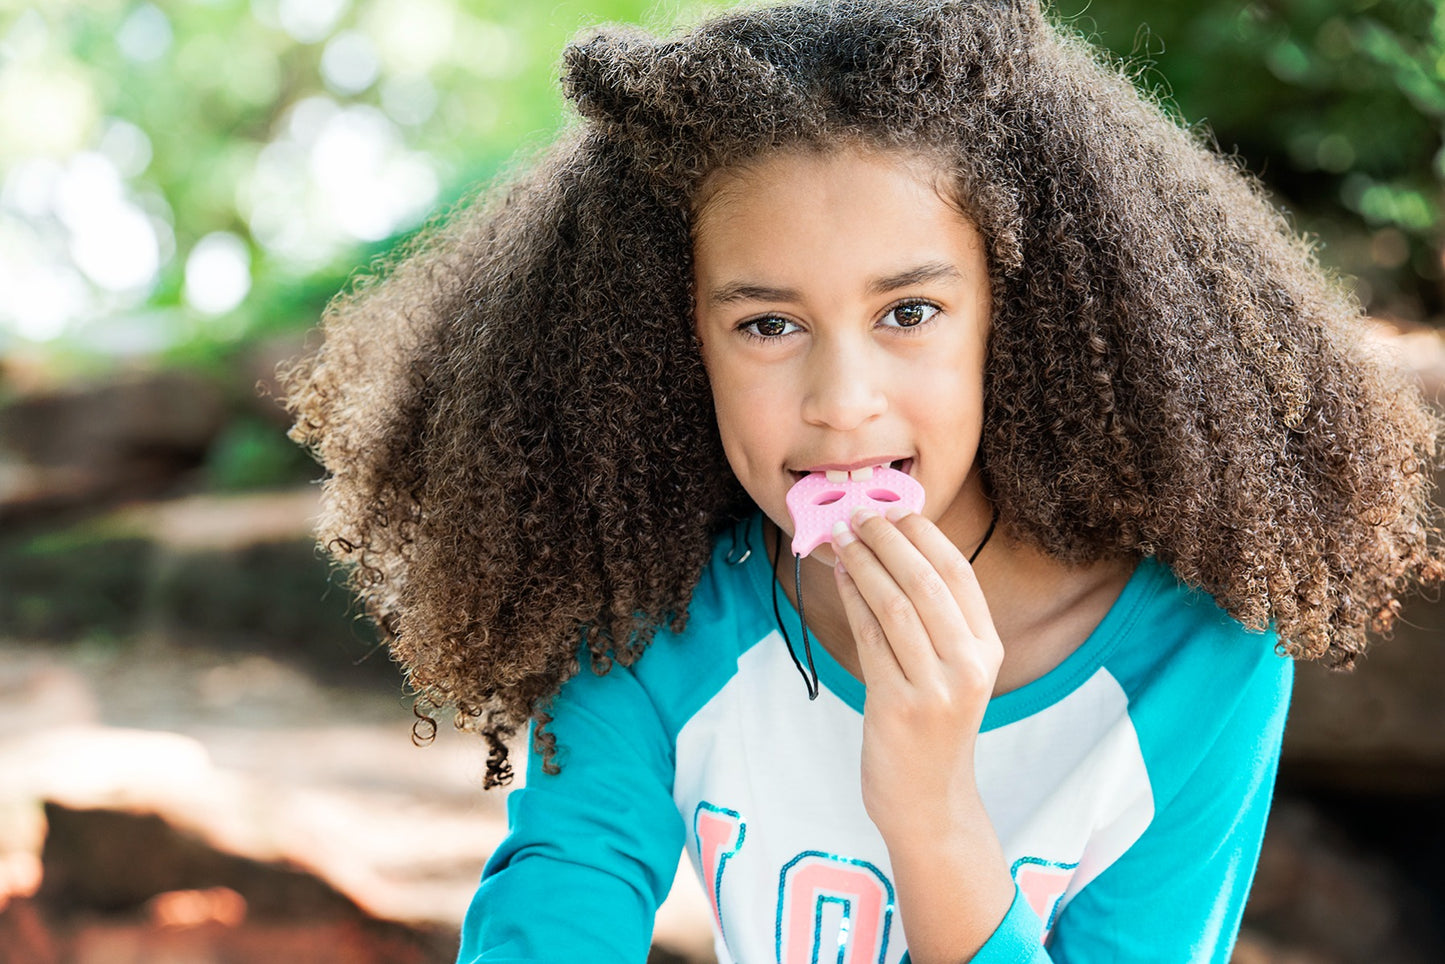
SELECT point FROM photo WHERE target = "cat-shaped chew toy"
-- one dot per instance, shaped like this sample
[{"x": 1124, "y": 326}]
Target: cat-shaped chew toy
[{"x": 817, "y": 502}]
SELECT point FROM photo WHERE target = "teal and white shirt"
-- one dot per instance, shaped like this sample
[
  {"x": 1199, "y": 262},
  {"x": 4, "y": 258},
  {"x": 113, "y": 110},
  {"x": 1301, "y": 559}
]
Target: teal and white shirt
[{"x": 1129, "y": 787}]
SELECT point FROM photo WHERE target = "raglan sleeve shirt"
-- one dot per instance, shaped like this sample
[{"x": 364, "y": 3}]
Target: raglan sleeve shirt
[{"x": 591, "y": 852}]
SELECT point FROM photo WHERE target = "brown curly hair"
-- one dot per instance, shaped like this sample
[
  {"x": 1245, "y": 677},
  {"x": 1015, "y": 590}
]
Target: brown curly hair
[{"x": 518, "y": 429}]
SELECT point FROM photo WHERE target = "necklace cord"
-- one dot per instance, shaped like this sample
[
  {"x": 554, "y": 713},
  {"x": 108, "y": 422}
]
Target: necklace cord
[
  {"x": 811, "y": 683},
  {"x": 803, "y": 620},
  {"x": 993, "y": 522}
]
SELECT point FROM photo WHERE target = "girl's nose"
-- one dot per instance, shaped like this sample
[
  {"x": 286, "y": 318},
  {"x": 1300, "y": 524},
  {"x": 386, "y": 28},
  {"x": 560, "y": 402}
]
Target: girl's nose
[{"x": 843, "y": 388}]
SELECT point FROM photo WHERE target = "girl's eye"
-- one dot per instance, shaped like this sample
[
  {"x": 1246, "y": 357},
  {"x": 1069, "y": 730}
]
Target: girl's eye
[
  {"x": 911, "y": 314},
  {"x": 766, "y": 329}
]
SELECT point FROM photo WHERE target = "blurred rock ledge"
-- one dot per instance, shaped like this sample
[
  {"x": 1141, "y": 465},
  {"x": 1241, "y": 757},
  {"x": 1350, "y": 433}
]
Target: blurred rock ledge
[
  {"x": 236, "y": 571},
  {"x": 225, "y": 807},
  {"x": 139, "y": 433},
  {"x": 1418, "y": 349},
  {"x": 87, "y": 444}
]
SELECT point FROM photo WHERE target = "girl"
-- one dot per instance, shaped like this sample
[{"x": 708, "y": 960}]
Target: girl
[{"x": 835, "y": 242}]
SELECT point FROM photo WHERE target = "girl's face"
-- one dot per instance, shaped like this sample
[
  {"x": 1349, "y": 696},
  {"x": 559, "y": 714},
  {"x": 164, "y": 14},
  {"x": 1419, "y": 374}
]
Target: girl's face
[{"x": 843, "y": 314}]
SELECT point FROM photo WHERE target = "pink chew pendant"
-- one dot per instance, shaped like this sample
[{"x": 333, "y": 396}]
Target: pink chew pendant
[{"x": 816, "y": 503}]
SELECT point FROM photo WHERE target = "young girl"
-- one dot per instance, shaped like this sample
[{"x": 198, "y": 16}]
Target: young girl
[{"x": 833, "y": 243}]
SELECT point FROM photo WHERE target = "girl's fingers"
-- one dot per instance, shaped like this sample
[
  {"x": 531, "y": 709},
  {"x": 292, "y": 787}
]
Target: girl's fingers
[
  {"x": 954, "y": 568},
  {"x": 875, "y": 654},
  {"x": 904, "y": 595}
]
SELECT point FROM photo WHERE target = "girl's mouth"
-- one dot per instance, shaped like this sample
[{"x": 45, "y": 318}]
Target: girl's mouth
[{"x": 860, "y": 475}]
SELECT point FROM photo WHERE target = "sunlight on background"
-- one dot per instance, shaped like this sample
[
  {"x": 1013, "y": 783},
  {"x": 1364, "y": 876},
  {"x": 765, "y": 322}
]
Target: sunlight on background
[{"x": 165, "y": 172}]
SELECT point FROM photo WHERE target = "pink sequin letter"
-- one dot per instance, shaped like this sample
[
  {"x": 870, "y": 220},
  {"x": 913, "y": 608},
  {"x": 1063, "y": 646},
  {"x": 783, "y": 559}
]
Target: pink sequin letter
[
  {"x": 719, "y": 833},
  {"x": 1043, "y": 884},
  {"x": 813, "y": 881}
]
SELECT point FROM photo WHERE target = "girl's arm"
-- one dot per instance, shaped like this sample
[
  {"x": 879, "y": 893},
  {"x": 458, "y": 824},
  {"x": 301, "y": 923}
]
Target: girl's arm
[
  {"x": 930, "y": 656},
  {"x": 954, "y": 888},
  {"x": 1176, "y": 895},
  {"x": 591, "y": 851}
]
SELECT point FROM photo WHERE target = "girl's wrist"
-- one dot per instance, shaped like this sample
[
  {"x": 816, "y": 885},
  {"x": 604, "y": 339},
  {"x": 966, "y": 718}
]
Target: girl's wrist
[
  {"x": 953, "y": 884},
  {"x": 921, "y": 820},
  {"x": 962, "y": 825}
]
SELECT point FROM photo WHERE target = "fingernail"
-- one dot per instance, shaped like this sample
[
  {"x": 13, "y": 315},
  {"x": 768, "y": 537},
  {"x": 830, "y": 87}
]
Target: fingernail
[
  {"x": 896, "y": 512},
  {"x": 862, "y": 514},
  {"x": 842, "y": 535}
]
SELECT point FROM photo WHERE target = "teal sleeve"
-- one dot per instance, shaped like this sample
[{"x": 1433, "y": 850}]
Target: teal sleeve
[
  {"x": 591, "y": 852},
  {"x": 1014, "y": 941},
  {"x": 1179, "y": 892}
]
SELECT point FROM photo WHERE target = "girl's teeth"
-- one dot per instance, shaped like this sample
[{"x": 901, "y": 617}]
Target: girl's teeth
[{"x": 857, "y": 475}]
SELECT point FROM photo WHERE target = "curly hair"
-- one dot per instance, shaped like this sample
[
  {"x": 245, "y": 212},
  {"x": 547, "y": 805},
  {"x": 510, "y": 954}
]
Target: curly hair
[{"x": 522, "y": 452}]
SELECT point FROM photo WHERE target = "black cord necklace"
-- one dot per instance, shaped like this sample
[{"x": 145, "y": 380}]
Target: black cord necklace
[{"x": 810, "y": 675}]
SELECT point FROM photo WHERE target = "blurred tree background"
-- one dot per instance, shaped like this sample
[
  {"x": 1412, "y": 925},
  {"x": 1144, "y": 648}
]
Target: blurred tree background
[{"x": 1338, "y": 105}]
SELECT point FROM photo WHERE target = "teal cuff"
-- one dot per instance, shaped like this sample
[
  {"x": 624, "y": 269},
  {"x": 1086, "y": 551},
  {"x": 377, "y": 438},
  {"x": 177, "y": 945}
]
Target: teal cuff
[{"x": 1018, "y": 938}]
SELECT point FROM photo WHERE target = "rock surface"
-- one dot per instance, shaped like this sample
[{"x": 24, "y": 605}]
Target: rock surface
[
  {"x": 79, "y": 445},
  {"x": 160, "y": 771}
]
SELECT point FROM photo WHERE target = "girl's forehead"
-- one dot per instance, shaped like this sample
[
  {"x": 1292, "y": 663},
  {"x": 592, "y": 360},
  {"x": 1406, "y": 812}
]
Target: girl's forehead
[
  {"x": 785, "y": 171},
  {"x": 811, "y": 228}
]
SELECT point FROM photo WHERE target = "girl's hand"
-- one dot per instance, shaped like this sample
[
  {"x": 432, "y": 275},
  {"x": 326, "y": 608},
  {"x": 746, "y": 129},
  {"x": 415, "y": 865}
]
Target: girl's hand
[{"x": 930, "y": 656}]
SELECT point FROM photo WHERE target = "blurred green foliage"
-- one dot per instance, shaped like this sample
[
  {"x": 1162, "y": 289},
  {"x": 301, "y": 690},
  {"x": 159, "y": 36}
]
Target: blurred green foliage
[
  {"x": 69, "y": 587},
  {"x": 1339, "y": 105},
  {"x": 251, "y": 454},
  {"x": 310, "y": 134}
]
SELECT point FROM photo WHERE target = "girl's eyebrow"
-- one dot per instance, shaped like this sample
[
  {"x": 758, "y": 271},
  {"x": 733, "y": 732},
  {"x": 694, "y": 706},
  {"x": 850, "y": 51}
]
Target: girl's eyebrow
[
  {"x": 748, "y": 291},
  {"x": 923, "y": 274}
]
